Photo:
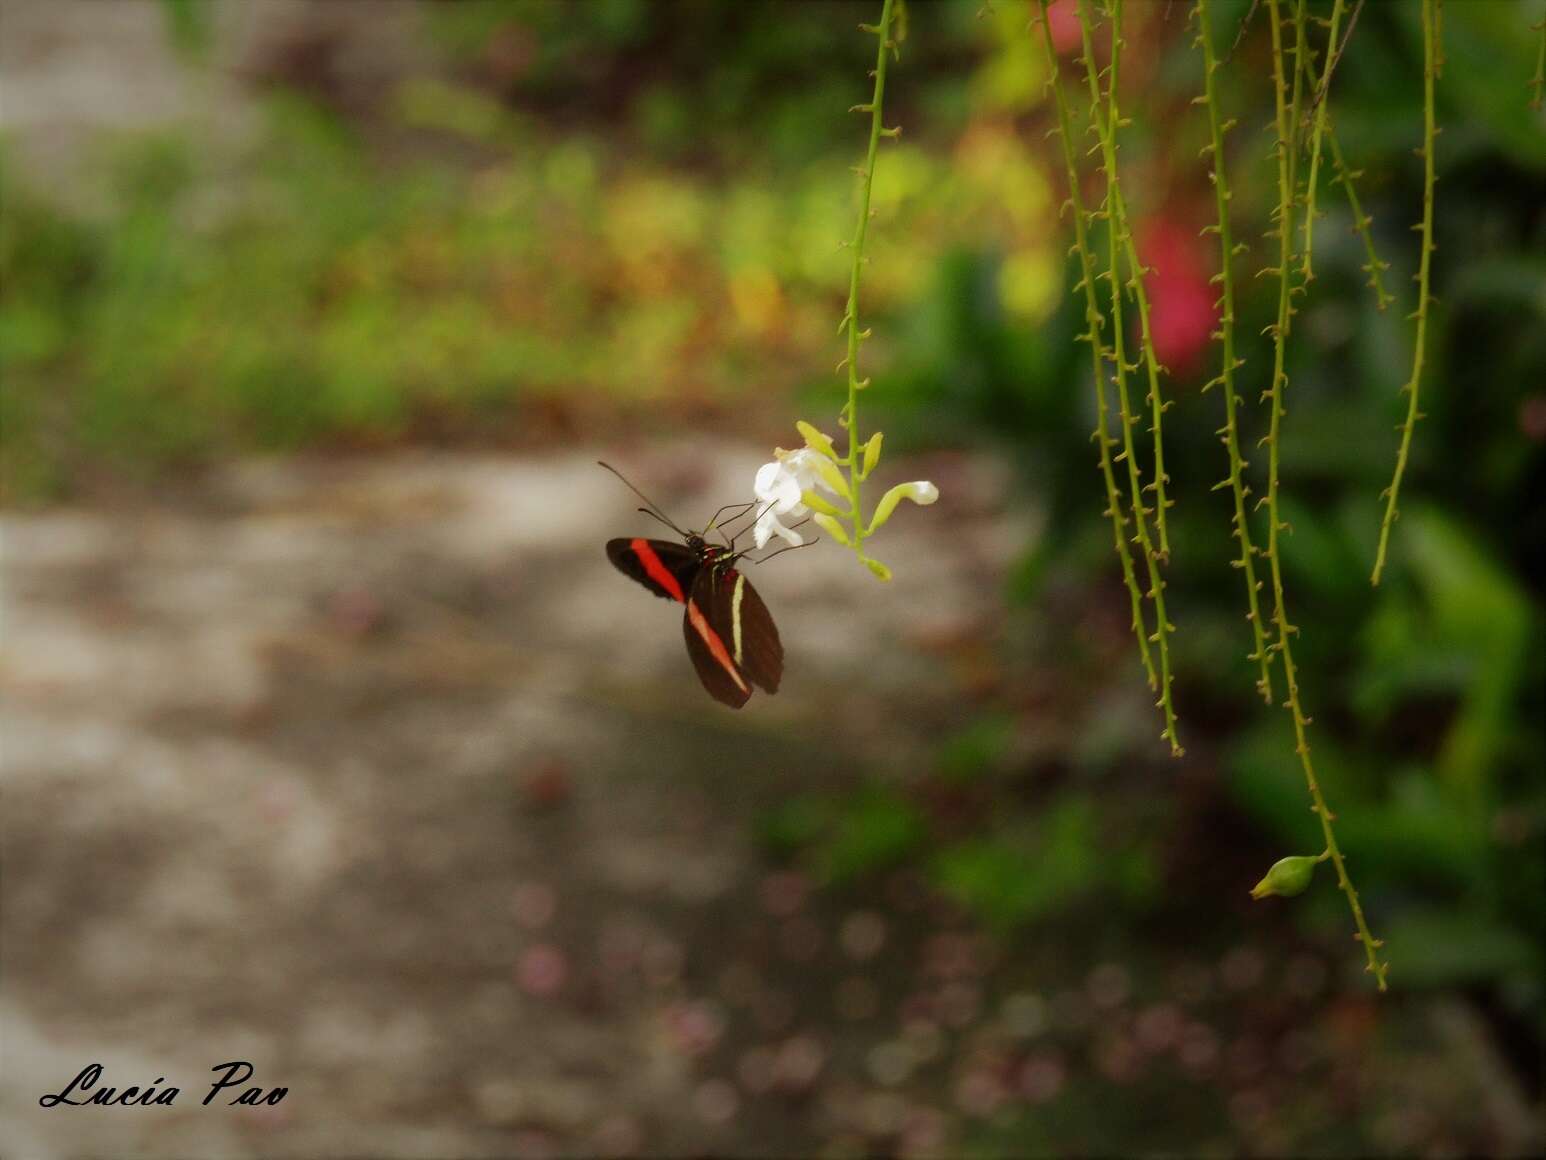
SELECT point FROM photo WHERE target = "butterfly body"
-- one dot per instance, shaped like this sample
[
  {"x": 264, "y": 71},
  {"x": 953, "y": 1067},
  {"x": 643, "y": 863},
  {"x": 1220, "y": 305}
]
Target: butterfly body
[{"x": 731, "y": 638}]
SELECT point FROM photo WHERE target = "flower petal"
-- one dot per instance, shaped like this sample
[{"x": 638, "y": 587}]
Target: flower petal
[
  {"x": 762, "y": 482},
  {"x": 768, "y": 525},
  {"x": 776, "y": 484},
  {"x": 801, "y": 465}
]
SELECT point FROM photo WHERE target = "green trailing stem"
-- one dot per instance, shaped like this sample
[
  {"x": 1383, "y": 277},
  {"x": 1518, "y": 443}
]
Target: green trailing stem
[
  {"x": 1324, "y": 128},
  {"x": 1107, "y": 121},
  {"x": 1287, "y": 119},
  {"x": 1361, "y": 221},
  {"x": 1431, "y": 66},
  {"x": 1104, "y": 123},
  {"x": 1230, "y": 432},
  {"x": 1094, "y": 321},
  {"x": 1437, "y": 26},
  {"x": 1322, "y": 100}
]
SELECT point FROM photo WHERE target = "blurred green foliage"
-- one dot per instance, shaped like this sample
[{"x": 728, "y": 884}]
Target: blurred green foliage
[
  {"x": 482, "y": 244},
  {"x": 1426, "y": 692}
]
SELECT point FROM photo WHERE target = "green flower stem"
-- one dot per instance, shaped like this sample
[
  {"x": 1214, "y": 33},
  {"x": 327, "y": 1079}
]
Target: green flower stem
[
  {"x": 854, "y": 459},
  {"x": 1361, "y": 221},
  {"x": 1230, "y": 433},
  {"x": 1094, "y": 321},
  {"x": 1106, "y": 125},
  {"x": 1419, "y": 346},
  {"x": 1116, "y": 222},
  {"x": 1287, "y": 122},
  {"x": 1322, "y": 99}
]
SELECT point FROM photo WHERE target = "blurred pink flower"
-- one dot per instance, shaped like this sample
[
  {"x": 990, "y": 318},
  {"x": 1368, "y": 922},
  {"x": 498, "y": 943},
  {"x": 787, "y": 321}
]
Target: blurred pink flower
[
  {"x": 1182, "y": 313},
  {"x": 1063, "y": 17}
]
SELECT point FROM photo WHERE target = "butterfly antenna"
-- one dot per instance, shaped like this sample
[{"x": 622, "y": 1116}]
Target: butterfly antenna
[
  {"x": 753, "y": 524},
  {"x": 656, "y": 516},
  {"x": 751, "y": 511},
  {"x": 789, "y": 548},
  {"x": 654, "y": 508},
  {"x": 715, "y": 517}
]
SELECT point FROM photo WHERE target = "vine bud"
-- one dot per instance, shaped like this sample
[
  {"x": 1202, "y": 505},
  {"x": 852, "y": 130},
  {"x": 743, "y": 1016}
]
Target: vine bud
[{"x": 1288, "y": 877}]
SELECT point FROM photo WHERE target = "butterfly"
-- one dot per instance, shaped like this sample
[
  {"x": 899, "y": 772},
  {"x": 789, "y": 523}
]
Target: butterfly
[{"x": 731, "y": 638}]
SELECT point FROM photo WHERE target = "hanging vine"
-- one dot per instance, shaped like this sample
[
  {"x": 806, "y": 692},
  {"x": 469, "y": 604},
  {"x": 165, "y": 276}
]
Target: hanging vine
[
  {"x": 1094, "y": 322},
  {"x": 1361, "y": 222},
  {"x": 1322, "y": 101},
  {"x": 1104, "y": 120},
  {"x": 1304, "y": 130},
  {"x": 1432, "y": 64},
  {"x": 1287, "y": 122},
  {"x": 1230, "y": 432}
]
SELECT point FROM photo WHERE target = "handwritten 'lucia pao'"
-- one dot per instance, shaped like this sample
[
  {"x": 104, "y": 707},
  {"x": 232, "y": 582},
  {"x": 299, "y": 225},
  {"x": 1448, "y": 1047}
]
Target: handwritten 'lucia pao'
[{"x": 86, "y": 1089}]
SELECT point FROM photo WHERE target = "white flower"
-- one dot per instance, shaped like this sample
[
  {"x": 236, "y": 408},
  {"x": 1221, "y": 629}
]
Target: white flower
[{"x": 779, "y": 487}]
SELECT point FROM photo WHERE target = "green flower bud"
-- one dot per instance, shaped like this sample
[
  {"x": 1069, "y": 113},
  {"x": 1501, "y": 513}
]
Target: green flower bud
[
  {"x": 921, "y": 492},
  {"x": 875, "y": 566},
  {"x": 1288, "y": 877},
  {"x": 830, "y": 525},
  {"x": 815, "y": 439},
  {"x": 831, "y": 476},
  {"x": 871, "y": 455},
  {"x": 813, "y": 499}
]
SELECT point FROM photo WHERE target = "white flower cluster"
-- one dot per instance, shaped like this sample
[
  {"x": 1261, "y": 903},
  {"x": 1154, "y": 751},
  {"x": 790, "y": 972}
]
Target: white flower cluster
[
  {"x": 779, "y": 487},
  {"x": 791, "y": 486}
]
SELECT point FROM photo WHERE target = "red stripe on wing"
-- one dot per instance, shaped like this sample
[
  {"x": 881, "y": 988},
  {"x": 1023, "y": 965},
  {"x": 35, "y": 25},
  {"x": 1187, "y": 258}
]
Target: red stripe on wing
[{"x": 655, "y": 569}]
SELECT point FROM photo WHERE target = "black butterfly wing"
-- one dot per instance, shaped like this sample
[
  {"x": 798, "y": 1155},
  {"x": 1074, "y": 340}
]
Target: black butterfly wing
[
  {"x": 753, "y": 635},
  {"x": 666, "y": 569},
  {"x": 709, "y": 631}
]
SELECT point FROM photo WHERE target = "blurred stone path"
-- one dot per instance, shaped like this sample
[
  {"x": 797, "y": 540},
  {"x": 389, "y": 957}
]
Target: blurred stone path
[{"x": 377, "y": 775}]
